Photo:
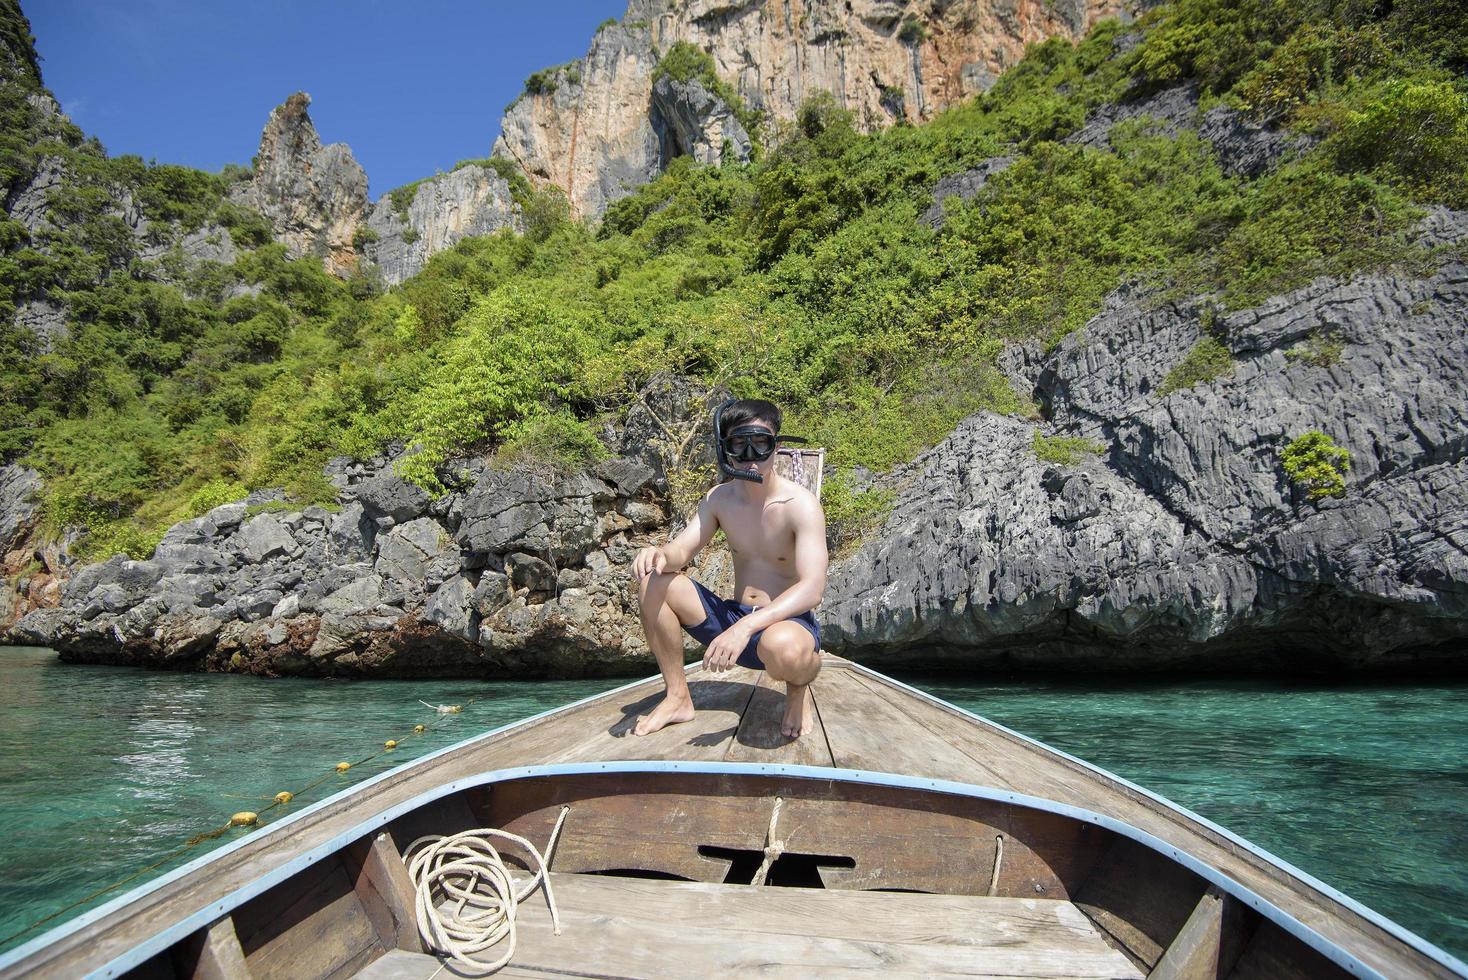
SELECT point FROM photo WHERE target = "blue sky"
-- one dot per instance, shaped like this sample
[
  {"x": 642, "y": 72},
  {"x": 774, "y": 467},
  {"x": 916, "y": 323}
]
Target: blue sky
[{"x": 413, "y": 86}]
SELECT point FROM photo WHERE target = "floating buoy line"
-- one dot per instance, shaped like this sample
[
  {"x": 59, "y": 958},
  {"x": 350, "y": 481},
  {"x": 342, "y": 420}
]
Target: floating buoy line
[{"x": 246, "y": 819}]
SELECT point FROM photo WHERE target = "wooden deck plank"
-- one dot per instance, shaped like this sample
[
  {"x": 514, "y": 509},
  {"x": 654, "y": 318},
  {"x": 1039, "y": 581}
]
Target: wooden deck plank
[
  {"x": 627, "y": 926},
  {"x": 871, "y": 730},
  {"x": 759, "y": 738},
  {"x": 719, "y": 702}
]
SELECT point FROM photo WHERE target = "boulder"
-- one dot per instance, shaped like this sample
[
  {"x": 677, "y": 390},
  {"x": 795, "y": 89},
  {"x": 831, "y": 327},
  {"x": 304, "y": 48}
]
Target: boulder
[{"x": 264, "y": 536}]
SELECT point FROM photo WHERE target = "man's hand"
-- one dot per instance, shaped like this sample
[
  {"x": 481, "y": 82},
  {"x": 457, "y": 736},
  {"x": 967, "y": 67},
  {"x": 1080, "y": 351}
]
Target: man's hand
[
  {"x": 649, "y": 561},
  {"x": 720, "y": 655}
]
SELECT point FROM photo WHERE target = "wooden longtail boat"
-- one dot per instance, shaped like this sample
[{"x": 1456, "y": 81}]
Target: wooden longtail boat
[{"x": 903, "y": 836}]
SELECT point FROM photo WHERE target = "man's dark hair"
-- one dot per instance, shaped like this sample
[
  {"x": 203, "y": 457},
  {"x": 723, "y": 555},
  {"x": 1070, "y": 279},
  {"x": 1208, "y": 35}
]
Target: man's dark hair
[{"x": 748, "y": 410}]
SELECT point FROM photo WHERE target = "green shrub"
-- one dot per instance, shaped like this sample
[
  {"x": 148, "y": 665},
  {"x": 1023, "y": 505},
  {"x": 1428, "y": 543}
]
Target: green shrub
[
  {"x": 912, "y": 32},
  {"x": 1206, "y": 362},
  {"x": 1064, "y": 450},
  {"x": 1322, "y": 349},
  {"x": 851, "y": 515},
  {"x": 213, "y": 494},
  {"x": 247, "y": 227},
  {"x": 1314, "y": 462},
  {"x": 1416, "y": 134},
  {"x": 556, "y": 440},
  {"x": 363, "y": 236}
]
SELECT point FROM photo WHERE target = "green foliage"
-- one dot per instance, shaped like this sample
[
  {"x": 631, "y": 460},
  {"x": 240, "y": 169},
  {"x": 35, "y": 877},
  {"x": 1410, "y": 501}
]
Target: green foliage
[
  {"x": 547, "y": 80},
  {"x": 213, "y": 494},
  {"x": 852, "y": 514},
  {"x": 1314, "y": 462},
  {"x": 182, "y": 194},
  {"x": 1416, "y": 136},
  {"x": 557, "y": 440},
  {"x": 402, "y": 197},
  {"x": 1322, "y": 349},
  {"x": 247, "y": 227},
  {"x": 1064, "y": 450},
  {"x": 1206, "y": 362},
  {"x": 364, "y": 236},
  {"x": 912, "y": 32}
]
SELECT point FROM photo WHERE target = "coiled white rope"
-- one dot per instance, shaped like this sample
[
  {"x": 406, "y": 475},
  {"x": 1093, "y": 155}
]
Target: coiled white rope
[{"x": 466, "y": 897}]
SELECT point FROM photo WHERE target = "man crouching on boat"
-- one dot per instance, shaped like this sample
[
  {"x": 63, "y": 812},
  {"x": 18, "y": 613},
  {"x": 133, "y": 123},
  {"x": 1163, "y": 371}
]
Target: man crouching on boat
[{"x": 777, "y": 534}]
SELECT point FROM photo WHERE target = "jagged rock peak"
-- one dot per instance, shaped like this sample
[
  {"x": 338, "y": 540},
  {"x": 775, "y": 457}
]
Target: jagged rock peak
[
  {"x": 592, "y": 128},
  {"x": 314, "y": 196}
]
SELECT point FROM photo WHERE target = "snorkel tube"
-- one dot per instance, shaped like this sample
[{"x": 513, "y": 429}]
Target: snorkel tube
[{"x": 726, "y": 465}]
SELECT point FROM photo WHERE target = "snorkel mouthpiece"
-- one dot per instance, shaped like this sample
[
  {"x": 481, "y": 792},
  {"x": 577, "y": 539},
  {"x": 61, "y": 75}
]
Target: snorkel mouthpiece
[{"x": 747, "y": 444}]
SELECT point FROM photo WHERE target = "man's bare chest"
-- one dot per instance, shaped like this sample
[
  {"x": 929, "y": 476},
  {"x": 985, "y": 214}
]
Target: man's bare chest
[{"x": 760, "y": 535}]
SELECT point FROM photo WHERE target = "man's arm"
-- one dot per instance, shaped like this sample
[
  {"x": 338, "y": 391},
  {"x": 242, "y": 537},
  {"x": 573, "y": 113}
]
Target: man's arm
[{"x": 676, "y": 554}]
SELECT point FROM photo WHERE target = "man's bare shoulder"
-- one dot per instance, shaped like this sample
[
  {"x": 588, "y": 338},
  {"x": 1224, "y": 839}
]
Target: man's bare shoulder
[{"x": 802, "y": 503}]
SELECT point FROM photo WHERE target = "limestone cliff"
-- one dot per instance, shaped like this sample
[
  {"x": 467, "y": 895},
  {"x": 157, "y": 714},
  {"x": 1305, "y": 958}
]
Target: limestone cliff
[
  {"x": 313, "y": 195},
  {"x": 471, "y": 200},
  {"x": 592, "y": 128}
]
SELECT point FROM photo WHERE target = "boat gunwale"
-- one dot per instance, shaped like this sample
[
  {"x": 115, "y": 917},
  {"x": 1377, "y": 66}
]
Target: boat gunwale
[
  {"x": 1393, "y": 928},
  {"x": 181, "y": 929}
]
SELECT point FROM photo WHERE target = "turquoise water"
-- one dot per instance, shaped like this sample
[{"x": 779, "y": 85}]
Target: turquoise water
[{"x": 110, "y": 769}]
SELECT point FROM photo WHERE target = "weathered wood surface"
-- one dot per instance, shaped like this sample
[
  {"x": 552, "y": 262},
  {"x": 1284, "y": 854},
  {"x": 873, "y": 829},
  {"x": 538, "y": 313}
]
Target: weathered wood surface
[
  {"x": 212, "y": 954},
  {"x": 386, "y": 891},
  {"x": 626, "y": 927},
  {"x": 864, "y": 722}
]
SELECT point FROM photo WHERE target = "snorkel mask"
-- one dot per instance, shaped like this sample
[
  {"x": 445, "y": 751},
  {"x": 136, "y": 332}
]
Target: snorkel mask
[{"x": 743, "y": 446}]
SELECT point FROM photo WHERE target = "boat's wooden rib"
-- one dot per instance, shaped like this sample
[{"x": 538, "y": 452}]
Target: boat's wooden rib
[{"x": 1142, "y": 911}]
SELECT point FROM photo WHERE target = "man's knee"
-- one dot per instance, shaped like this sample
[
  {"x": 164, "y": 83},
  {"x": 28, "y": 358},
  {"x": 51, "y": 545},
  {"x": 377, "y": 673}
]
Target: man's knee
[
  {"x": 786, "y": 648},
  {"x": 672, "y": 590}
]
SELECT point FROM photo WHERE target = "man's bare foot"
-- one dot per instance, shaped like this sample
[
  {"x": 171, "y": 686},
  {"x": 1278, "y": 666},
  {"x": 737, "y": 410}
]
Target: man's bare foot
[
  {"x": 670, "y": 711},
  {"x": 800, "y": 713}
]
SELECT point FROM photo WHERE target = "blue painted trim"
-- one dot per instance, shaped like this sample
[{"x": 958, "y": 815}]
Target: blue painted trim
[
  {"x": 181, "y": 929},
  {"x": 1375, "y": 918}
]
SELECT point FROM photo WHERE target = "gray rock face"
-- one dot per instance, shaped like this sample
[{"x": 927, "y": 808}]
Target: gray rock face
[
  {"x": 313, "y": 195},
  {"x": 31, "y": 205},
  {"x": 692, "y": 121},
  {"x": 518, "y": 511},
  {"x": 471, "y": 200},
  {"x": 515, "y": 572},
  {"x": 1244, "y": 148},
  {"x": 1182, "y": 542},
  {"x": 265, "y": 537},
  {"x": 45, "y": 319},
  {"x": 389, "y": 495},
  {"x": 19, "y": 486},
  {"x": 964, "y": 186}
]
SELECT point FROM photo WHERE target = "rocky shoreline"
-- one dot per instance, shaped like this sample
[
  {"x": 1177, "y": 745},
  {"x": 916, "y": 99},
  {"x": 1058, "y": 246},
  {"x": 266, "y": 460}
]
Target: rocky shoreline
[{"x": 1178, "y": 545}]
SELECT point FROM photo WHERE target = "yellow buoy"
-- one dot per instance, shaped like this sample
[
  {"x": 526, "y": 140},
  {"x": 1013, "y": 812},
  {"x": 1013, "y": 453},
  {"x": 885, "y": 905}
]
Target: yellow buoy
[
  {"x": 418, "y": 729},
  {"x": 284, "y": 797},
  {"x": 391, "y": 743},
  {"x": 243, "y": 819},
  {"x": 343, "y": 766},
  {"x": 455, "y": 708}
]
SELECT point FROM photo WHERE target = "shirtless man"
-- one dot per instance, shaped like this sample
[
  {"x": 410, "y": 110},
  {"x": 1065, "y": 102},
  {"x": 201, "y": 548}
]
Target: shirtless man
[{"x": 777, "y": 533}]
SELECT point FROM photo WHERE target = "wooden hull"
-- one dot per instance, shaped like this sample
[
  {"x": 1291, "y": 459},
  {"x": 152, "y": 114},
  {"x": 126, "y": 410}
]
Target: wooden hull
[{"x": 915, "y": 838}]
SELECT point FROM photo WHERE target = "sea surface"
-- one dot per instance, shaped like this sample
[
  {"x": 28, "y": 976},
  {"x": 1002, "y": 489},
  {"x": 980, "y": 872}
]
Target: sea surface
[{"x": 108, "y": 769}]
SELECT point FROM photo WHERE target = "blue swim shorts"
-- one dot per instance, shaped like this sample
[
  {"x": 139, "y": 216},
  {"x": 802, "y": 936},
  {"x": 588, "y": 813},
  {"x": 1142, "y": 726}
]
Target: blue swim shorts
[{"x": 720, "y": 614}]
